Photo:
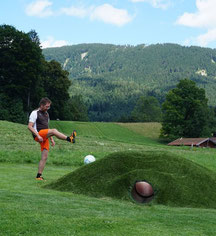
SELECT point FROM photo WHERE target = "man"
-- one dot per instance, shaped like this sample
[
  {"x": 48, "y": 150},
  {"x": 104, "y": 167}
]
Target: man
[{"x": 38, "y": 125}]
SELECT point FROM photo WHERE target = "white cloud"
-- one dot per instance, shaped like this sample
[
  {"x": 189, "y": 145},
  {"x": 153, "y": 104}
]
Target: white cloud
[
  {"x": 202, "y": 40},
  {"x": 205, "y": 39},
  {"x": 163, "y": 4},
  {"x": 108, "y": 14},
  {"x": 51, "y": 42},
  {"x": 205, "y": 17},
  {"x": 40, "y": 8},
  {"x": 75, "y": 11}
]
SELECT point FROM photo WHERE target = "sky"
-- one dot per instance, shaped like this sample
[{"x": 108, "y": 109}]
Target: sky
[{"x": 119, "y": 22}]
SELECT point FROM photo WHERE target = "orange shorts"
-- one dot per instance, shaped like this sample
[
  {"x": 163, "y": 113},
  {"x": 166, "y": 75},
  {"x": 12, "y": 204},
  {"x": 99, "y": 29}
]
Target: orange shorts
[{"x": 45, "y": 144}]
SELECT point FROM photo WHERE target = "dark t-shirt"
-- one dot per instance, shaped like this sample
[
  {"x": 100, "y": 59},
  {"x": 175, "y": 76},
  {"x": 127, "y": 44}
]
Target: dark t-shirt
[{"x": 40, "y": 120}]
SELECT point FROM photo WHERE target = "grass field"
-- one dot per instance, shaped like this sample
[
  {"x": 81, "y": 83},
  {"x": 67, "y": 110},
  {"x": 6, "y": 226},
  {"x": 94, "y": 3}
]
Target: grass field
[
  {"x": 26, "y": 208},
  {"x": 150, "y": 130}
]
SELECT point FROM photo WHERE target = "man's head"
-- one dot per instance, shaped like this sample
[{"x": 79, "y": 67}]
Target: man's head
[{"x": 45, "y": 104}]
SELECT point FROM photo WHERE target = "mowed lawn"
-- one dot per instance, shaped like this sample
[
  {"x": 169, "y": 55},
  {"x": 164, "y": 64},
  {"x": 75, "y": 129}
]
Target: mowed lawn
[
  {"x": 26, "y": 208},
  {"x": 150, "y": 129}
]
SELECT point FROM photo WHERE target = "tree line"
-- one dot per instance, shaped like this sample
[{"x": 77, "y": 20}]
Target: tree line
[{"x": 25, "y": 77}]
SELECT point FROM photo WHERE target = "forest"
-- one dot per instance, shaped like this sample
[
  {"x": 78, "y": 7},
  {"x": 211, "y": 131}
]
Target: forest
[{"x": 112, "y": 78}]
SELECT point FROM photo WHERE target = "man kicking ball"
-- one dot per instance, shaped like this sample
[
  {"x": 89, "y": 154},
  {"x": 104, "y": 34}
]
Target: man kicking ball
[{"x": 38, "y": 125}]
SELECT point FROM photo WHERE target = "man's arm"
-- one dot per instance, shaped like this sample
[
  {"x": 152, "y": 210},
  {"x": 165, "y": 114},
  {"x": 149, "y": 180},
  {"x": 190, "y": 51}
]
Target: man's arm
[{"x": 30, "y": 127}]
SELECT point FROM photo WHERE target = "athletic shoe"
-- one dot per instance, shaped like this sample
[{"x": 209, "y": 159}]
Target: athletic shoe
[
  {"x": 73, "y": 136},
  {"x": 40, "y": 178}
]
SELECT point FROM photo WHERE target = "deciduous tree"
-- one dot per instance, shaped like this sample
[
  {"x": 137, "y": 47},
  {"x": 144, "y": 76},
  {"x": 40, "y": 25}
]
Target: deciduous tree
[{"x": 185, "y": 111}]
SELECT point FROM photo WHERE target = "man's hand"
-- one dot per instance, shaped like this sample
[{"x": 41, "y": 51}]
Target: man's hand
[
  {"x": 40, "y": 139},
  {"x": 52, "y": 141}
]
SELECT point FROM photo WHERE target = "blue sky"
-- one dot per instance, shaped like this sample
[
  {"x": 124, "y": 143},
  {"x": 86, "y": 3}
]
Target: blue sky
[{"x": 120, "y": 22}]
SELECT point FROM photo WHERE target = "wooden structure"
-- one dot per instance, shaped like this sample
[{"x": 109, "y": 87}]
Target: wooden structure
[{"x": 196, "y": 142}]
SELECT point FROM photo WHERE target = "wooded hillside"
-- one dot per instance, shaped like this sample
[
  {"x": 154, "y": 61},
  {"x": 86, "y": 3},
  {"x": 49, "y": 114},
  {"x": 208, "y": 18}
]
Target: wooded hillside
[{"x": 112, "y": 78}]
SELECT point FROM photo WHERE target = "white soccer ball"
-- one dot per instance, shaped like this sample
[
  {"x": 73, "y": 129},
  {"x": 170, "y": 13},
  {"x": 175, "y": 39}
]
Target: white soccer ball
[{"x": 89, "y": 159}]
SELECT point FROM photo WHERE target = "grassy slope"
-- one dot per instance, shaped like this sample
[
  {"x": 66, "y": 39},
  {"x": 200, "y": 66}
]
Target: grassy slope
[
  {"x": 150, "y": 130},
  {"x": 179, "y": 182},
  {"x": 28, "y": 209},
  {"x": 99, "y": 139}
]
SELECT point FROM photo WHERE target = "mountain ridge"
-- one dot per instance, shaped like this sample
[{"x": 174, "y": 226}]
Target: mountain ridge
[{"x": 113, "y": 77}]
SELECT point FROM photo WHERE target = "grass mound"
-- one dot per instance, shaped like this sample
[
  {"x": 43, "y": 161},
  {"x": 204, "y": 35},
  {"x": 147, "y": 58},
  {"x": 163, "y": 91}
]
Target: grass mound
[{"x": 178, "y": 182}]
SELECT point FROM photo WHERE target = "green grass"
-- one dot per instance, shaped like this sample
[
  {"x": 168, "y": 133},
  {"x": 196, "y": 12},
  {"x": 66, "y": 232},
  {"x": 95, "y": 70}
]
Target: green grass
[
  {"x": 99, "y": 139},
  {"x": 178, "y": 182},
  {"x": 150, "y": 129},
  {"x": 27, "y": 208}
]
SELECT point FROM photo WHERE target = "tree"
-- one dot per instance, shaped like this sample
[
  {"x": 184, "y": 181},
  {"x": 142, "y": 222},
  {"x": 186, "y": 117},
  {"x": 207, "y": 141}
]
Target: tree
[
  {"x": 20, "y": 66},
  {"x": 185, "y": 111},
  {"x": 147, "y": 109},
  {"x": 34, "y": 37},
  {"x": 25, "y": 76},
  {"x": 56, "y": 83}
]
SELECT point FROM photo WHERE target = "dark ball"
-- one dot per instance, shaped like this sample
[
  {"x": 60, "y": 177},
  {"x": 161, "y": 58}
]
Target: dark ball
[
  {"x": 142, "y": 192},
  {"x": 144, "y": 189}
]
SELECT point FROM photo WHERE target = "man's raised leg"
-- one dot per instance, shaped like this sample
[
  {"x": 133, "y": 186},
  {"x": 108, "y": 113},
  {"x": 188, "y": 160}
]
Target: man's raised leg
[
  {"x": 59, "y": 135},
  {"x": 55, "y": 132}
]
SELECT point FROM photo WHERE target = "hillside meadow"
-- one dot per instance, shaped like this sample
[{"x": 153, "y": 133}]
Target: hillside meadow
[{"x": 27, "y": 207}]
